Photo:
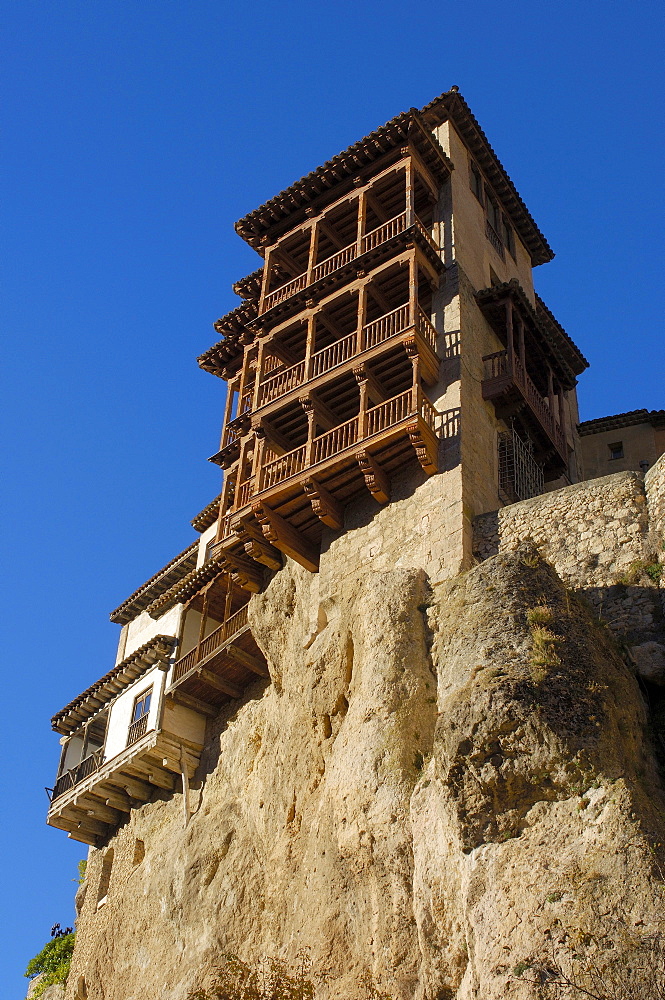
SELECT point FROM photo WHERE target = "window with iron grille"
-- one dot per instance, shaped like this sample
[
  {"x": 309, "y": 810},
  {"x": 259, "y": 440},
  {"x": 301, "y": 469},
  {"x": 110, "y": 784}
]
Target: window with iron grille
[{"x": 520, "y": 476}]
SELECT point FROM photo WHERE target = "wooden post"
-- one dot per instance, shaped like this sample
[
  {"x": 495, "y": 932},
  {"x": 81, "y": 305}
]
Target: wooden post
[
  {"x": 259, "y": 374},
  {"x": 265, "y": 280},
  {"x": 522, "y": 349},
  {"x": 228, "y": 603},
  {"x": 415, "y": 389},
  {"x": 410, "y": 194},
  {"x": 413, "y": 288},
  {"x": 362, "y": 415},
  {"x": 509, "y": 333},
  {"x": 309, "y": 346},
  {"x": 257, "y": 461},
  {"x": 362, "y": 315},
  {"x": 362, "y": 222},
  {"x": 562, "y": 412},
  {"x": 550, "y": 390},
  {"x": 308, "y": 406},
  {"x": 313, "y": 250},
  {"x": 202, "y": 624},
  {"x": 228, "y": 408}
]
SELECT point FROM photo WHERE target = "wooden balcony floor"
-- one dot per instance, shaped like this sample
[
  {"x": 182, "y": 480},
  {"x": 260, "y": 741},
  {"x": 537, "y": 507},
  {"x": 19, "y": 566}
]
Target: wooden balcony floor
[
  {"x": 92, "y": 809},
  {"x": 222, "y": 675}
]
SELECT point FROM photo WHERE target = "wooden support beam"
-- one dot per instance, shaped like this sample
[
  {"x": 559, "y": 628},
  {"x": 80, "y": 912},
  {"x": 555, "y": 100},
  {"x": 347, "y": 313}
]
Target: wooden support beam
[
  {"x": 219, "y": 684},
  {"x": 426, "y": 444},
  {"x": 263, "y": 552},
  {"x": 145, "y": 771},
  {"x": 245, "y": 572},
  {"x": 282, "y": 353},
  {"x": 328, "y": 231},
  {"x": 376, "y": 207},
  {"x": 287, "y": 261},
  {"x": 135, "y": 789},
  {"x": 330, "y": 325},
  {"x": 285, "y": 537},
  {"x": 83, "y": 838},
  {"x": 279, "y": 443},
  {"x": 379, "y": 298},
  {"x": 323, "y": 415},
  {"x": 117, "y": 801},
  {"x": 375, "y": 390},
  {"x": 328, "y": 510},
  {"x": 376, "y": 480},
  {"x": 81, "y": 821},
  {"x": 96, "y": 810},
  {"x": 189, "y": 701},
  {"x": 252, "y": 663}
]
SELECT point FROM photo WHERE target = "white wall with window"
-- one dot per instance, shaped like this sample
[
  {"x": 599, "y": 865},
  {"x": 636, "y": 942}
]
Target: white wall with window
[{"x": 123, "y": 710}]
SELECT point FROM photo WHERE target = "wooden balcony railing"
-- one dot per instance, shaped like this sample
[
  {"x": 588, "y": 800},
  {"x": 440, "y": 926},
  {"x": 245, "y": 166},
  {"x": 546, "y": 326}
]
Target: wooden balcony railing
[
  {"x": 285, "y": 291},
  {"x": 245, "y": 492},
  {"x": 386, "y": 231},
  {"x": 385, "y": 326},
  {"x": 379, "y": 330},
  {"x": 212, "y": 642},
  {"x": 282, "y": 467},
  {"x": 283, "y": 382},
  {"x": 383, "y": 233},
  {"x": 379, "y": 418},
  {"x": 76, "y": 774},
  {"x": 137, "y": 730},
  {"x": 333, "y": 355},
  {"x": 334, "y": 263},
  {"x": 497, "y": 365}
]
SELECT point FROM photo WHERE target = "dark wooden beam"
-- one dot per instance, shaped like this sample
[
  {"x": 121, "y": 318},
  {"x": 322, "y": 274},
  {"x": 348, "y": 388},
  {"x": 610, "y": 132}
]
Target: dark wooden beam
[
  {"x": 331, "y": 234},
  {"x": 379, "y": 298},
  {"x": 376, "y": 480},
  {"x": 285, "y": 537},
  {"x": 252, "y": 663},
  {"x": 328, "y": 510},
  {"x": 219, "y": 684},
  {"x": 324, "y": 416},
  {"x": 375, "y": 390},
  {"x": 189, "y": 701}
]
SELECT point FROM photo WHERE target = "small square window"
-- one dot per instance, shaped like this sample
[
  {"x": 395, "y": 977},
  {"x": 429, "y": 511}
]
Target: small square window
[{"x": 616, "y": 450}]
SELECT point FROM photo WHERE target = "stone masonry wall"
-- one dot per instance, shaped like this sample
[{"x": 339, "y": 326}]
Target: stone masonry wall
[{"x": 601, "y": 537}]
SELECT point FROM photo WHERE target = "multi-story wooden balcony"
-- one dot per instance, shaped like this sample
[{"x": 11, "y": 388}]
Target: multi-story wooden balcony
[
  {"x": 366, "y": 252},
  {"x": 219, "y": 667},
  {"x": 90, "y": 799},
  {"x": 508, "y": 383}
]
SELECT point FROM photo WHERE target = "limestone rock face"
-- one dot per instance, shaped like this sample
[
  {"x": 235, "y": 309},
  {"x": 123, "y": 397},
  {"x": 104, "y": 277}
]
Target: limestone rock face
[{"x": 437, "y": 784}]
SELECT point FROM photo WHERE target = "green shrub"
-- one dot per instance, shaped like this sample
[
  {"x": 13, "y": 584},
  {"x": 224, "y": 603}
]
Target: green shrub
[{"x": 52, "y": 963}]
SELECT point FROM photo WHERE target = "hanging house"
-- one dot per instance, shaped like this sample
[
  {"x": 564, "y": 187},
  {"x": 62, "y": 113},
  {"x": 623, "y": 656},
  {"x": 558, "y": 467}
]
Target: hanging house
[{"x": 392, "y": 333}]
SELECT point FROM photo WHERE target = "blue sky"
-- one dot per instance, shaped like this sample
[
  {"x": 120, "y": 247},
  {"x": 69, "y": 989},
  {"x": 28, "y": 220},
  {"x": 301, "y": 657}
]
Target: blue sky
[{"x": 135, "y": 134}]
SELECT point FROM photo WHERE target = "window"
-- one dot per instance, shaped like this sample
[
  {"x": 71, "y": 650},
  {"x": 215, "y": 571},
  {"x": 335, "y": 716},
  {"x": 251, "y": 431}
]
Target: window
[
  {"x": 142, "y": 705},
  {"x": 493, "y": 213},
  {"x": 476, "y": 182},
  {"x": 139, "y": 723},
  {"x": 616, "y": 450},
  {"x": 507, "y": 235}
]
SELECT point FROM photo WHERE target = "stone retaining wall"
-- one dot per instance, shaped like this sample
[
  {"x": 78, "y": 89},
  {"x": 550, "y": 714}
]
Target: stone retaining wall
[{"x": 600, "y": 536}]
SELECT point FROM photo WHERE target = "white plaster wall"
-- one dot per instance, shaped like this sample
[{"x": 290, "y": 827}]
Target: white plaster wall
[
  {"x": 190, "y": 632},
  {"x": 72, "y": 753},
  {"x": 207, "y": 536},
  {"x": 143, "y": 628},
  {"x": 183, "y": 722},
  {"x": 120, "y": 716}
]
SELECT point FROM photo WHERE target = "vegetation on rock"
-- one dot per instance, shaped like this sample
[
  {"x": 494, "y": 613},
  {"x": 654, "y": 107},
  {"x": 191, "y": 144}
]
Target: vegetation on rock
[{"x": 53, "y": 961}]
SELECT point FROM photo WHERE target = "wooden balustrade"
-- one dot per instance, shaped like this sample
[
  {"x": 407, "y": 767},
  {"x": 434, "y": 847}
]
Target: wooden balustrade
[
  {"x": 498, "y": 364},
  {"x": 334, "y": 263},
  {"x": 245, "y": 493},
  {"x": 283, "y": 467},
  {"x": 335, "y": 440},
  {"x": 78, "y": 773},
  {"x": 385, "y": 326},
  {"x": 383, "y": 233},
  {"x": 425, "y": 328},
  {"x": 285, "y": 291},
  {"x": 231, "y": 435},
  {"x": 390, "y": 412},
  {"x": 333, "y": 355},
  {"x": 426, "y": 409},
  {"x": 283, "y": 382},
  {"x": 234, "y": 624},
  {"x": 420, "y": 226},
  {"x": 137, "y": 730}
]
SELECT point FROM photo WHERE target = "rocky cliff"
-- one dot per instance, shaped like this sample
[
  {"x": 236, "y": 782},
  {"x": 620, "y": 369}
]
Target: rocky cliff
[{"x": 441, "y": 782}]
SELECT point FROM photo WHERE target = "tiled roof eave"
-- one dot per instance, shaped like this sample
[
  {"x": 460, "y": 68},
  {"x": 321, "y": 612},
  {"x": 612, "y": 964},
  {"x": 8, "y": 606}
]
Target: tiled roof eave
[
  {"x": 560, "y": 344},
  {"x": 452, "y": 106},
  {"x": 207, "y": 517},
  {"x": 342, "y": 168},
  {"x": 84, "y": 706},
  {"x": 187, "y": 587},
  {"x": 161, "y": 581},
  {"x": 618, "y": 420}
]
